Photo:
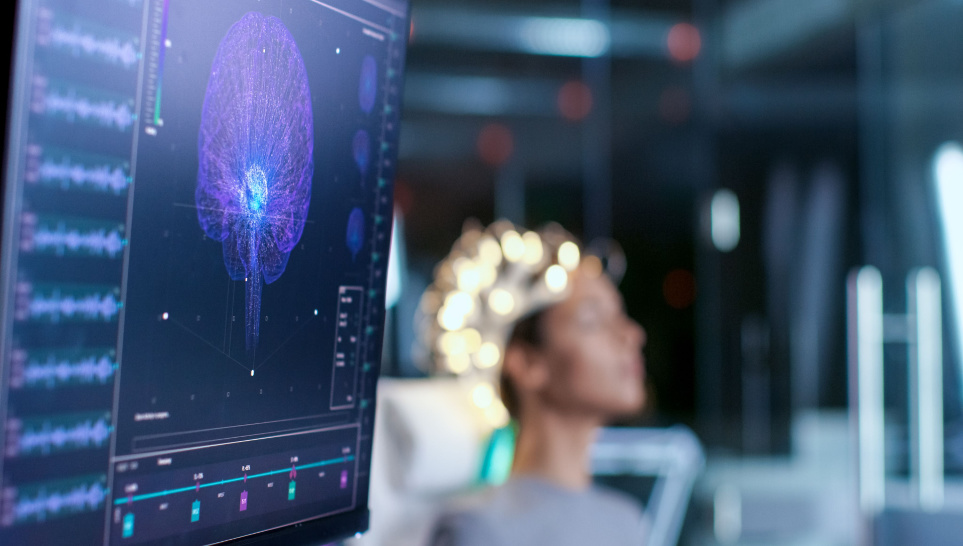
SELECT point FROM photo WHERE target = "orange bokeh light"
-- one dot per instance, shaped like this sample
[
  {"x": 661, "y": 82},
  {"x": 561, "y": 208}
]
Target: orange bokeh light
[
  {"x": 495, "y": 144},
  {"x": 679, "y": 288},
  {"x": 575, "y": 100},
  {"x": 684, "y": 42}
]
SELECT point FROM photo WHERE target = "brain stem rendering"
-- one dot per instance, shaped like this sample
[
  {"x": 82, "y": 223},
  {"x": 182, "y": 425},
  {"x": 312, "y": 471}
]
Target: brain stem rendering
[{"x": 255, "y": 148}]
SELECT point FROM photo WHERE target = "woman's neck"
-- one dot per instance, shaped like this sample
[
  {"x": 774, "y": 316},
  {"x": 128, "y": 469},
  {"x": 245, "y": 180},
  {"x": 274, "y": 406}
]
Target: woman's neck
[{"x": 555, "y": 448}]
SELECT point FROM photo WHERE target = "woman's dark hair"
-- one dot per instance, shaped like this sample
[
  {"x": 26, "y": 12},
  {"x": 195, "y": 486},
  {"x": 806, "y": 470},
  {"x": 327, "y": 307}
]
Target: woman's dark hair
[{"x": 528, "y": 332}]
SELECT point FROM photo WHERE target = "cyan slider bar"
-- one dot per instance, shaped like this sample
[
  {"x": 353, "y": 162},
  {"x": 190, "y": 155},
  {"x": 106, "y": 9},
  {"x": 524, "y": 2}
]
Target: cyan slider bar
[{"x": 146, "y": 496}]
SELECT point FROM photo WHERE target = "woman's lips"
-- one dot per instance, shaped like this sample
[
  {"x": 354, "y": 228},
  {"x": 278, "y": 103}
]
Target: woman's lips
[{"x": 634, "y": 368}]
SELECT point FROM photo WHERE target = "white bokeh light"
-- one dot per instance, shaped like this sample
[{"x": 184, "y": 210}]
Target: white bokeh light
[
  {"x": 948, "y": 174},
  {"x": 724, "y": 219}
]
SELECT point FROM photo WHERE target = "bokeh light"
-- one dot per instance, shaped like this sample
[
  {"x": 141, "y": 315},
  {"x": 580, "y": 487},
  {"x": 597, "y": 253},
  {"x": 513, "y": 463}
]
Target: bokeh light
[
  {"x": 575, "y": 100},
  {"x": 679, "y": 289},
  {"x": 495, "y": 144},
  {"x": 684, "y": 42}
]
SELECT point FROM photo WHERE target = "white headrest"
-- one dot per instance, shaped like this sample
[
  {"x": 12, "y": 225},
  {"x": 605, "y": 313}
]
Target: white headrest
[{"x": 429, "y": 435}]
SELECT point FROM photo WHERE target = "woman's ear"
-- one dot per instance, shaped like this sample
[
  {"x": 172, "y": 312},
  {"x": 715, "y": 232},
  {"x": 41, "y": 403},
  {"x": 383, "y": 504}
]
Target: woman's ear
[{"x": 526, "y": 368}]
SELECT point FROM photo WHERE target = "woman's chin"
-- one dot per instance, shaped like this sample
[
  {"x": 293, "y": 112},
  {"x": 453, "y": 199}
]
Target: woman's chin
[{"x": 626, "y": 405}]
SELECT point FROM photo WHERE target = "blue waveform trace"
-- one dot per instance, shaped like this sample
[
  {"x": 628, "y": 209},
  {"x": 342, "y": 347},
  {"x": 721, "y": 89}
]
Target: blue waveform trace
[
  {"x": 63, "y": 240},
  {"x": 39, "y": 503},
  {"x": 57, "y": 304},
  {"x": 73, "y": 103},
  {"x": 46, "y": 436},
  {"x": 60, "y": 368},
  {"x": 110, "y": 50},
  {"x": 66, "y": 173},
  {"x": 106, "y": 112}
]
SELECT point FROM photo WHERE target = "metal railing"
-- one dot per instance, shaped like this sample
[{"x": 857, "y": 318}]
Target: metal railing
[{"x": 920, "y": 330}]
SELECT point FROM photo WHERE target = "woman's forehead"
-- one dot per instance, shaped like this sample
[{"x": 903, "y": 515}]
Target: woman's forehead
[{"x": 588, "y": 293}]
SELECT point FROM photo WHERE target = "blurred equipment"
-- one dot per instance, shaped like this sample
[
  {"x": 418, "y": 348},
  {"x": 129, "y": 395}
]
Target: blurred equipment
[
  {"x": 657, "y": 466},
  {"x": 806, "y": 499},
  {"x": 891, "y": 505}
]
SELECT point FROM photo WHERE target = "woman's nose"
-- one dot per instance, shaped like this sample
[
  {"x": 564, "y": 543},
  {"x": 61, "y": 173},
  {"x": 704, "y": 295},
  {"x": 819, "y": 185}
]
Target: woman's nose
[{"x": 634, "y": 332}]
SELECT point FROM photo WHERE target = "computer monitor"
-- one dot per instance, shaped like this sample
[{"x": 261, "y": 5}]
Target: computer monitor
[{"x": 197, "y": 209}]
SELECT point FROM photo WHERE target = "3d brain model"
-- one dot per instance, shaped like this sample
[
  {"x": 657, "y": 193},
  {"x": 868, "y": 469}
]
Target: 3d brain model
[{"x": 255, "y": 148}]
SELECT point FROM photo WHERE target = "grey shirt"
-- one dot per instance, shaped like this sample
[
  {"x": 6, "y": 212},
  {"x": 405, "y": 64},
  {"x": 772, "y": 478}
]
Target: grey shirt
[{"x": 532, "y": 512}]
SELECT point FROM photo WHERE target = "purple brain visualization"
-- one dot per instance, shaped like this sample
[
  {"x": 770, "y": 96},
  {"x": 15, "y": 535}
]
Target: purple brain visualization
[{"x": 255, "y": 148}]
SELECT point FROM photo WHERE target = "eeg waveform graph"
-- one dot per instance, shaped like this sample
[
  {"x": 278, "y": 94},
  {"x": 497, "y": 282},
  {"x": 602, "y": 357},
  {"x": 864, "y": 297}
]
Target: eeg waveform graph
[
  {"x": 54, "y": 303},
  {"x": 72, "y": 236},
  {"x": 74, "y": 170},
  {"x": 85, "y": 39},
  {"x": 45, "y": 435},
  {"x": 51, "y": 369},
  {"x": 49, "y": 500},
  {"x": 74, "y": 103}
]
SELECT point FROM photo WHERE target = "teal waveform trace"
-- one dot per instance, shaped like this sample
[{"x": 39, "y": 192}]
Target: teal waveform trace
[
  {"x": 48, "y": 500},
  {"x": 57, "y": 303},
  {"x": 77, "y": 104},
  {"x": 51, "y": 368},
  {"x": 85, "y": 39},
  {"x": 64, "y": 236},
  {"x": 73, "y": 170},
  {"x": 47, "y": 435}
]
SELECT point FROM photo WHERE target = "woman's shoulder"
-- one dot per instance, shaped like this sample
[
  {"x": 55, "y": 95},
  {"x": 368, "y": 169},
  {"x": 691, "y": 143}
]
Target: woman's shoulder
[
  {"x": 525, "y": 511},
  {"x": 466, "y": 521},
  {"x": 616, "y": 500}
]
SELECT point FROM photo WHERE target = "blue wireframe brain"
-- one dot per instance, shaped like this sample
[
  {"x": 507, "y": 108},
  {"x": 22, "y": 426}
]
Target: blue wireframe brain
[{"x": 255, "y": 147}]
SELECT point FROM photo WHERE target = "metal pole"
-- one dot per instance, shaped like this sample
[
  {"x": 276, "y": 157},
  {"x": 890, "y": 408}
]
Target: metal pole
[
  {"x": 866, "y": 385},
  {"x": 925, "y": 349}
]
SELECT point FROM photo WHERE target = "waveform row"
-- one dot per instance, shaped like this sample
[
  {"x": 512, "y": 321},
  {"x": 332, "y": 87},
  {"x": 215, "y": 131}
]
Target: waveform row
[
  {"x": 63, "y": 240},
  {"x": 66, "y": 173},
  {"x": 90, "y": 307},
  {"x": 53, "y": 370},
  {"x": 56, "y": 306},
  {"x": 44, "y": 503},
  {"x": 45, "y": 437},
  {"x": 104, "y": 112},
  {"x": 111, "y": 50}
]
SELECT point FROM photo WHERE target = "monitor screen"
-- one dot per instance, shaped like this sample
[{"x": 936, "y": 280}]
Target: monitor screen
[{"x": 197, "y": 206}]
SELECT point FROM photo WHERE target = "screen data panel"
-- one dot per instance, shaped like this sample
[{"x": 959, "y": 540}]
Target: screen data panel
[{"x": 197, "y": 210}]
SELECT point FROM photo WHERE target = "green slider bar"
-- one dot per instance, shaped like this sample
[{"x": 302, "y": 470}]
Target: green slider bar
[{"x": 164, "y": 493}]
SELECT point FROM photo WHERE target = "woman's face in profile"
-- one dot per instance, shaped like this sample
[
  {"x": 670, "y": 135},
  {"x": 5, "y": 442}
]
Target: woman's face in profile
[{"x": 594, "y": 351}]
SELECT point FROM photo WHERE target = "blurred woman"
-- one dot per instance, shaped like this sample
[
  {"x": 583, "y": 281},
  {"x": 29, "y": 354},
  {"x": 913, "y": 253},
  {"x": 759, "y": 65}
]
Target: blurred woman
[{"x": 567, "y": 370}]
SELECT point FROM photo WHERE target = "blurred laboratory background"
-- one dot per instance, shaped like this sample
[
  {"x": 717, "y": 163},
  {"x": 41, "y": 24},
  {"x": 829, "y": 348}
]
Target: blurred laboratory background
[{"x": 785, "y": 178}]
